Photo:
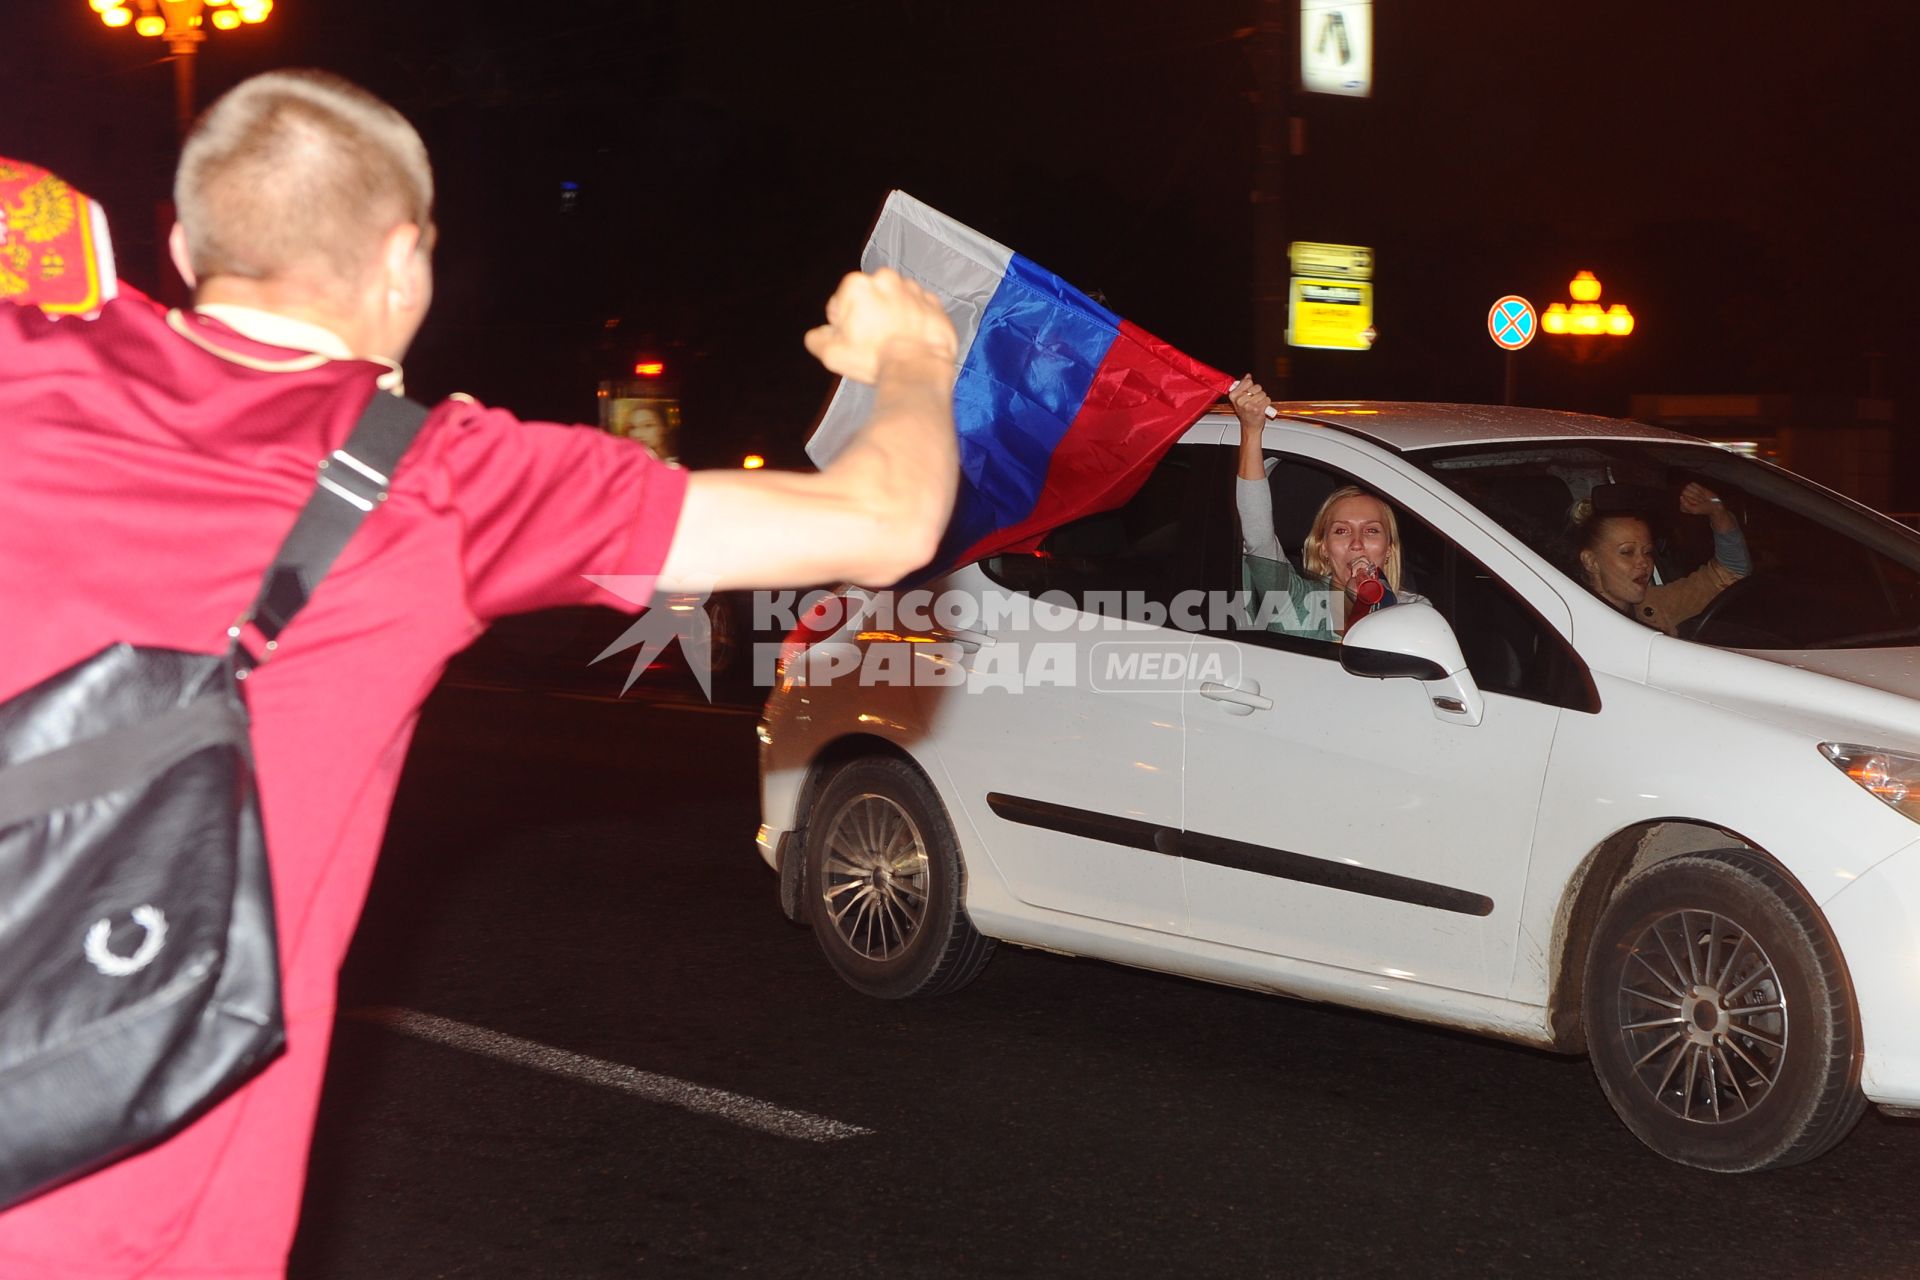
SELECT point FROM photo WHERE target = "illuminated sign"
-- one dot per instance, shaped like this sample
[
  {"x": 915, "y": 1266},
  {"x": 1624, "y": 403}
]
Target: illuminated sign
[
  {"x": 1330, "y": 313},
  {"x": 1336, "y": 47},
  {"x": 635, "y": 408},
  {"x": 1311, "y": 258}
]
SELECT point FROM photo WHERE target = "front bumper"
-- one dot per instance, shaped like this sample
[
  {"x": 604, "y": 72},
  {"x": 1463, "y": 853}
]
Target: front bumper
[
  {"x": 1877, "y": 922},
  {"x": 768, "y": 841}
]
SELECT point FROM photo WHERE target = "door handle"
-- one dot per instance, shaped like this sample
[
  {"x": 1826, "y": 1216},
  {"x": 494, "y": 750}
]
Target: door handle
[{"x": 1241, "y": 702}]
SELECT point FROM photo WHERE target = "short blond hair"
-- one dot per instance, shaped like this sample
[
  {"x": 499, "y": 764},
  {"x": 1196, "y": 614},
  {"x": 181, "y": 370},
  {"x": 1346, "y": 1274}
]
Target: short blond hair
[
  {"x": 299, "y": 173},
  {"x": 1313, "y": 551}
]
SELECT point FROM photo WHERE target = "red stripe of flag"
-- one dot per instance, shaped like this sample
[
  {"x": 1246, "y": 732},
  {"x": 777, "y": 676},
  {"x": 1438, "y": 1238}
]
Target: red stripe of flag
[{"x": 1144, "y": 395}]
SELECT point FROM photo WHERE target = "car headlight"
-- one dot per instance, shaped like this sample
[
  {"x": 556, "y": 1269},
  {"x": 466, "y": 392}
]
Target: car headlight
[{"x": 1891, "y": 776}]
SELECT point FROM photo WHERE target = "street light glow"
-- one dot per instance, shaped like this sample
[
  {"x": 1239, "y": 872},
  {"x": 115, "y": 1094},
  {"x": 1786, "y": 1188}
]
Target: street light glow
[
  {"x": 181, "y": 23},
  {"x": 1585, "y": 317}
]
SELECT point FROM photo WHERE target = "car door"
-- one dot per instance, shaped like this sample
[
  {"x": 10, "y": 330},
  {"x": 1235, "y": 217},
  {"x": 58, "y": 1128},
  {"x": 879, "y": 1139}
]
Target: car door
[
  {"x": 1065, "y": 745},
  {"x": 1354, "y": 822}
]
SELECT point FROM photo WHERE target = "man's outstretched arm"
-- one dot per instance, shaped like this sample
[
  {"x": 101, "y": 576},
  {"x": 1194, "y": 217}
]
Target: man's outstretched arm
[{"x": 877, "y": 511}]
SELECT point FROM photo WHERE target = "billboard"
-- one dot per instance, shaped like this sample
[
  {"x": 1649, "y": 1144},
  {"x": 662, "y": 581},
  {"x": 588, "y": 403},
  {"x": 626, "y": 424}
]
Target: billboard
[{"x": 1336, "y": 47}]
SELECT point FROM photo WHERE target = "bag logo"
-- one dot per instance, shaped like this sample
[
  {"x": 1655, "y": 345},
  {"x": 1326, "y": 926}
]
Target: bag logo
[{"x": 100, "y": 952}]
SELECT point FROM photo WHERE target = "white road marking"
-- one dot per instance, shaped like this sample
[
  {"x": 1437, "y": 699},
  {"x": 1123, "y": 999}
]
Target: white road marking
[{"x": 750, "y": 1113}]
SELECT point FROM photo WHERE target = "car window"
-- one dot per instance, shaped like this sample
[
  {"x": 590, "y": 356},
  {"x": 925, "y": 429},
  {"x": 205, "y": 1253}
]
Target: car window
[
  {"x": 1825, "y": 573},
  {"x": 1509, "y": 648},
  {"x": 1145, "y": 546},
  {"x": 1288, "y": 607}
]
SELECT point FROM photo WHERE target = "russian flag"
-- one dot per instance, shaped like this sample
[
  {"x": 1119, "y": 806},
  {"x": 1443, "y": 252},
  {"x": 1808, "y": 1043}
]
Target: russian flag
[{"x": 1062, "y": 407}]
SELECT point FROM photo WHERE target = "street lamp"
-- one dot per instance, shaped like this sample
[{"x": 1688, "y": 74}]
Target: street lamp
[
  {"x": 1586, "y": 318},
  {"x": 180, "y": 23}
]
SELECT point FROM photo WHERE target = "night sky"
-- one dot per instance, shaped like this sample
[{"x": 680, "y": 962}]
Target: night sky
[{"x": 1736, "y": 173}]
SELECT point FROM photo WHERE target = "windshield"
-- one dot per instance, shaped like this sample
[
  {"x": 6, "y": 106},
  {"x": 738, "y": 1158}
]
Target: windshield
[{"x": 1821, "y": 572}]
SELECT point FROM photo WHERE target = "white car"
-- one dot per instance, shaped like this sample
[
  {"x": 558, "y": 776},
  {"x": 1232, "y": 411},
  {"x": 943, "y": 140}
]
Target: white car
[{"x": 1513, "y": 810}]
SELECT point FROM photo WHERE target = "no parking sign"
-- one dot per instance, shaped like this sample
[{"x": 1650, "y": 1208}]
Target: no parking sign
[{"x": 1512, "y": 323}]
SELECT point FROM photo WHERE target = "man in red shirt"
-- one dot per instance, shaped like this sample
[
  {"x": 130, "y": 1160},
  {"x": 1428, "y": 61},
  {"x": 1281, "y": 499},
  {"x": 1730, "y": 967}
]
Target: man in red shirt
[{"x": 155, "y": 460}]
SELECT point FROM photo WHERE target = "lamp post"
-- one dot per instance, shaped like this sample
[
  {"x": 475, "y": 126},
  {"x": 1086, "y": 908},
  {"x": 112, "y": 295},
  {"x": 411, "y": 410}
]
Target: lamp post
[
  {"x": 182, "y": 24},
  {"x": 1586, "y": 319}
]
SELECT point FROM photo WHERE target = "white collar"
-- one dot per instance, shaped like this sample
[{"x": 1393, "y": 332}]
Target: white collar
[{"x": 276, "y": 330}]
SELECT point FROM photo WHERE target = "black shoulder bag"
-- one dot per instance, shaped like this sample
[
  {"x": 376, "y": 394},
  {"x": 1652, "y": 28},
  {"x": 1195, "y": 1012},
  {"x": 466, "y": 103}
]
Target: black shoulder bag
[{"x": 139, "y": 977}]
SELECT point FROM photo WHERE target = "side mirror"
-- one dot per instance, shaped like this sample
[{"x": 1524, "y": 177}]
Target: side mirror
[{"x": 1413, "y": 642}]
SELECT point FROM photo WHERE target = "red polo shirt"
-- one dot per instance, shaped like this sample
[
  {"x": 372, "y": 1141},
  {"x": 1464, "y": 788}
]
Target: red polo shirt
[{"x": 150, "y": 464}]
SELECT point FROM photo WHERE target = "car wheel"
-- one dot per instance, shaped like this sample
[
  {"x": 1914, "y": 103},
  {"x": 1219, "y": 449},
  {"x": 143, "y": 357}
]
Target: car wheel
[
  {"x": 729, "y": 650},
  {"x": 885, "y": 884},
  {"x": 1719, "y": 1017},
  {"x": 724, "y": 640}
]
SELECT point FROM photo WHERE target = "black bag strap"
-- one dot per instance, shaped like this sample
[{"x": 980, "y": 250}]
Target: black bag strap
[{"x": 353, "y": 480}]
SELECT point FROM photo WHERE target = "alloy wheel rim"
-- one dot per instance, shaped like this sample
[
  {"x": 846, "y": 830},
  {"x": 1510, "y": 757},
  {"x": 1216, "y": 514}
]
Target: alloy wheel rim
[
  {"x": 875, "y": 875},
  {"x": 1702, "y": 1017}
]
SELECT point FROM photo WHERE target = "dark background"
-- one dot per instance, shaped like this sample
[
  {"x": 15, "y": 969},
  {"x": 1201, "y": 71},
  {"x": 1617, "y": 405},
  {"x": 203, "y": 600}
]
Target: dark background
[{"x": 1736, "y": 173}]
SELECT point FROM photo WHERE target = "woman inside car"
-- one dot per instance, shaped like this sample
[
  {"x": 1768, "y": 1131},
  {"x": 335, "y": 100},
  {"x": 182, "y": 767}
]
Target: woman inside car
[
  {"x": 1616, "y": 561},
  {"x": 1351, "y": 555}
]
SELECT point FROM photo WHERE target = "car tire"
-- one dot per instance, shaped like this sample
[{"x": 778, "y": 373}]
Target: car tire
[
  {"x": 724, "y": 639},
  {"x": 1719, "y": 1018},
  {"x": 729, "y": 655},
  {"x": 885, "y": 884}
]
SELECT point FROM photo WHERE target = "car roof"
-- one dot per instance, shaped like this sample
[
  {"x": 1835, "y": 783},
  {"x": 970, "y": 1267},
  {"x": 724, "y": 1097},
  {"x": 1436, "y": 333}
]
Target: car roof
[{"x": 1404, "y": 425}]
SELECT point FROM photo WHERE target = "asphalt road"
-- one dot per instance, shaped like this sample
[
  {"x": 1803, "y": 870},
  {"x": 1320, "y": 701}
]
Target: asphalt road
[{"x": 581, "y": 1041}]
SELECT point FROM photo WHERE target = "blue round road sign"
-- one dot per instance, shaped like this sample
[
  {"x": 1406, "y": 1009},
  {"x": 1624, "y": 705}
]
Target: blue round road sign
[{"x": 1512, "y": 323}]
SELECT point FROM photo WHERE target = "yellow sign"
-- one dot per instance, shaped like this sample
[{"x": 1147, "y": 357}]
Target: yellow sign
[
  {"x": 1332, "y": 314},
  {"x": 1310, "y": 258}
]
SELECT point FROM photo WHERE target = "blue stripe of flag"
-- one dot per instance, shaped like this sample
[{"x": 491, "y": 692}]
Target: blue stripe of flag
[{"x": 1039, "y": 344}]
